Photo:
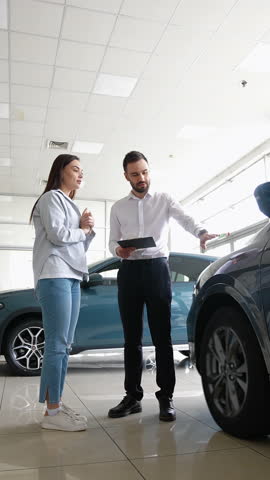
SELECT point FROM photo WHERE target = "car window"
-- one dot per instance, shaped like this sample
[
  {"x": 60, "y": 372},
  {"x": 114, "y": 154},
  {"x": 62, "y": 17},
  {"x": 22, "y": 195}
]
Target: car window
[{"x": 186, "y": 269}]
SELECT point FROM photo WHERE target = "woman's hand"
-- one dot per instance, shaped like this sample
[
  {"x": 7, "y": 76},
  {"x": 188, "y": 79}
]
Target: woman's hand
[{"x": 87, "y": 221}]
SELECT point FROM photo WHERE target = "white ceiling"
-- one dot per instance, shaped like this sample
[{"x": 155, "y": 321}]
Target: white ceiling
[{"x": 184, "y": 55}]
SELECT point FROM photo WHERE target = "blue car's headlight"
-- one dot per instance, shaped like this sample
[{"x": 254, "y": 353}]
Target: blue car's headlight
[{"x": 2, "y": 305}]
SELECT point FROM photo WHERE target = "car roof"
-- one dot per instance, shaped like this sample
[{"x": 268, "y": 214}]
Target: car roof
[{"x": 111, "y": 260}]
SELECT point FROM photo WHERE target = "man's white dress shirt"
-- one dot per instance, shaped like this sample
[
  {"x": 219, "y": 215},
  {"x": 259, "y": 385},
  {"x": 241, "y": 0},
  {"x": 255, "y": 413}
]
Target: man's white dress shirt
[{"x": 133, "y": 217}]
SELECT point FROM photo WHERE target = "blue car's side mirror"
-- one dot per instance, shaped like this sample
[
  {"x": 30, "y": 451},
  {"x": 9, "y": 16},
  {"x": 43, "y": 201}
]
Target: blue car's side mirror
[
  {"x": 262, "y": 195},
  {"x": 94, "y": 280}
]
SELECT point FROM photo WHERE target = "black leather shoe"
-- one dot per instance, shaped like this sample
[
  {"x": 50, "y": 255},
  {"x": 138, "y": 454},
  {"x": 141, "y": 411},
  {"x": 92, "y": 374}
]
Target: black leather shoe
[
  {"x": 166, "y": 409},
  {"x": 127, "y": 406}
]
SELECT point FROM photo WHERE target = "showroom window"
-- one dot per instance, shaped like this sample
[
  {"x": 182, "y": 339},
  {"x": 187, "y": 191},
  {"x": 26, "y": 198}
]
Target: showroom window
[{"x": 17, "y": 238}]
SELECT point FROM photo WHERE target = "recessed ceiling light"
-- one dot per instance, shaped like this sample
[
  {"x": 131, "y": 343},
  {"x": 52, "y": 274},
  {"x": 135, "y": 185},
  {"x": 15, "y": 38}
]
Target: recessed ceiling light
[
  {"x": 257, "y": 60},
  {"x": 87, "y": 147},
  {"x": 4, "y": 110},
  {"x": 194, "y": 132},
  {"x": 3, "y": 14},
  {"x": 114, "y": 85},
  {"x": 5, "y": 162}
]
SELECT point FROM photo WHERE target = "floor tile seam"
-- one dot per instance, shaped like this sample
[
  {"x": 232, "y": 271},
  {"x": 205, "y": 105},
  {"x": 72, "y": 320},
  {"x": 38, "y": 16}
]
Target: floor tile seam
[
  {"x": 42, "y": 431},
  {"x": 200, "y": 452},
  {"x": 65, "y": 465},
  {"x": 200, "y": 421},
  {"x": 256, "y": 451},
  {"x": 126, "y": 457},
  {"x": 76, "y": 395},
  {"x": 105, "y": 431},
  {"x": 148, "y": 457}
]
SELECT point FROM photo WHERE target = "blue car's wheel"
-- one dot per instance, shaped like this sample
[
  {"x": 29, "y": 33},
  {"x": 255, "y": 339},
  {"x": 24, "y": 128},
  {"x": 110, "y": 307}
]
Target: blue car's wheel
[
  {"x": 24, "y": 347},
  {"x": 234, "y": 375}
]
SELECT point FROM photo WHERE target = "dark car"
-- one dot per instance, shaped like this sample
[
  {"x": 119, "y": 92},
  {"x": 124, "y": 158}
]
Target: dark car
[
  {"x": 99, "y": 325},
  {"x": 229, "y": 337}
]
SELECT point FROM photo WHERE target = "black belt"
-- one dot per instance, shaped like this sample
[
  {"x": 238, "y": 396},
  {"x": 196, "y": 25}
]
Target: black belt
[{"x": 144, "y": 260}]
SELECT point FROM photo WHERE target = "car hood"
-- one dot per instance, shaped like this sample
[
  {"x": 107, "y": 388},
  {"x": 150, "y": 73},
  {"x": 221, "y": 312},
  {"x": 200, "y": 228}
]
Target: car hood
[
  {"x": 15, "y": 290},
  {"x": 224, "y": 265}
]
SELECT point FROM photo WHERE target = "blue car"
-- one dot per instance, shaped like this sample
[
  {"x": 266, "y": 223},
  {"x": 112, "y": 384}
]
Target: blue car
[{"x": 99, "y": 325}]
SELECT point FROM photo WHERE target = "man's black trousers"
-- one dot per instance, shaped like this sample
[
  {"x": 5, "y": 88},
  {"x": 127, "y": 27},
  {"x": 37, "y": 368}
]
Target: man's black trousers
[{"x": 146, "y": 282}]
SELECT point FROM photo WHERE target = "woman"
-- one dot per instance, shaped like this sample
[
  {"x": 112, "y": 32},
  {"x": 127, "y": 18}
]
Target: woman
[{"x": 63, "y": 236}]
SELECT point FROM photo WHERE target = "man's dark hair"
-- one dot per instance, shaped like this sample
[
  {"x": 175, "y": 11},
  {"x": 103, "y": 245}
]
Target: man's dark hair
[{"x": 132, "y": 157}]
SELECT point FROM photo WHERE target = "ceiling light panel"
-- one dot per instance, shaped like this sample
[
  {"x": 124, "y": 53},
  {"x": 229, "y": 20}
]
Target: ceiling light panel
[
  {"x": 114, "y": 85},
  {"x": 87, "y": 147},
  {"x": 5, "y": 162},
  {"x": 4, "y": 110},
  {"x": 3, "y": 14}
]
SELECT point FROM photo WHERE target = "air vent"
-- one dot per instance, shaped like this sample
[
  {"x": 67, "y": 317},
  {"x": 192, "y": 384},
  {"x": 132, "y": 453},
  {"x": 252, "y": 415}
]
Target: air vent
[{"x": 52, "y": 144}]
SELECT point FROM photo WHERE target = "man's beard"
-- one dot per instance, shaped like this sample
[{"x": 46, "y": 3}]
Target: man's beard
[{"x": 140, "y": 189}]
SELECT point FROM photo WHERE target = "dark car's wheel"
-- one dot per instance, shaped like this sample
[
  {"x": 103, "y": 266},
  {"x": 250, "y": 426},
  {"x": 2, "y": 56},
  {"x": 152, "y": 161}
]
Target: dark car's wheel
[
  {"x": 24, "y": 347},
  {"x": 234, "y": 375}
]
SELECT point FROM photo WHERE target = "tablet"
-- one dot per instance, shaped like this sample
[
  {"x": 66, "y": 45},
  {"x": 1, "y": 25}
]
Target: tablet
[{"x": 142, "y": 242}]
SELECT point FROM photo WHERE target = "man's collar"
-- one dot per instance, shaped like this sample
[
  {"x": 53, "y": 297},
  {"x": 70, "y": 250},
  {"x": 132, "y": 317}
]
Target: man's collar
[{"x": 131, "y": 195}]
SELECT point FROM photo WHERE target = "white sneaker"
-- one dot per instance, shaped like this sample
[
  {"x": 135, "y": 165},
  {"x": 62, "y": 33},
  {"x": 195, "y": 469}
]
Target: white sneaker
[
  {"x": 73, "y": 413},
  {"x": 62, "y": 421}
]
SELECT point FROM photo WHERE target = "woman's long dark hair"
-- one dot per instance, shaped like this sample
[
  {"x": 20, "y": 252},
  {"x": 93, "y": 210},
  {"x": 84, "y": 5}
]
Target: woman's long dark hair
[{"x": 54, "y": 179}]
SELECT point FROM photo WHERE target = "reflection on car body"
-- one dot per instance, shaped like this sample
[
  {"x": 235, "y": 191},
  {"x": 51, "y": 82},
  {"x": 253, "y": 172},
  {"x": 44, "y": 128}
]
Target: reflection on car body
[
  {"x": 99, "y": 325},
  {"x": 229, "y": 334}
]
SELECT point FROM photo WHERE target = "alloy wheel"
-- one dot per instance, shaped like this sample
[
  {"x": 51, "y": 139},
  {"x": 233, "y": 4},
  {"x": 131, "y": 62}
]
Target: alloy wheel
[
  {"x": 226, "y": 371},
  {"x": 28, "y": 348}
]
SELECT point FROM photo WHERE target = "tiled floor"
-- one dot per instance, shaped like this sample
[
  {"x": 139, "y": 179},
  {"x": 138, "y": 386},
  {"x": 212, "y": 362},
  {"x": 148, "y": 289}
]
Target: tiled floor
[{"x": 133, "y": 448}]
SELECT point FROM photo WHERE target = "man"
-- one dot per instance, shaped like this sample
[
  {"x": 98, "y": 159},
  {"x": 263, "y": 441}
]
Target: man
[{"x": 144, "y": 278}]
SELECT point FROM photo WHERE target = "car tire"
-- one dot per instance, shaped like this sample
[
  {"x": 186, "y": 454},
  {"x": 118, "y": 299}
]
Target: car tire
[
  {"x": 234, "y": 376},
  {"x": 24, "y": 347}
]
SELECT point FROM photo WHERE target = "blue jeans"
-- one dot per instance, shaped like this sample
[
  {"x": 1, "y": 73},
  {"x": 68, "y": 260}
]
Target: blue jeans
[{"x": 60, "y": 305}]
